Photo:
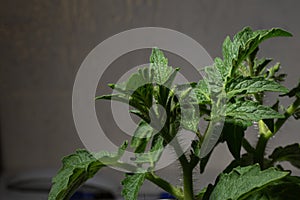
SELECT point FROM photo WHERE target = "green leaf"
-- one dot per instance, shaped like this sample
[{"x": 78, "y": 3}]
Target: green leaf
[
  {"x": 295, "y": 92},
  {"x": 271, "y": 122},
  {"x": 290, "y": 153},
  {"x": 78, "y": 168},
  {"x": 274, "y": 32},
  {"x": 141, "y": 137},
  {"x": 246, "y": 50},
  {"x": 247, "y": 85},
  {"x": 157, "y": 57},
  {"x": 244, "y": 181},
  {"x": 116, "y": 97},
  {"x": 141, "y": 99},
  {"x": 260, "y": 196},
  {"x": 214, "y": 80},
  {"x": 163, "y": 74},
  {"x": 246, "y": 35},
  {"x": 162, "y": 94},
  {"x": 195, "y": 155},
  {"x": 190, "y": 118},
  {"x": 154, "y": 154},
  {"x": 142, "y": 95},
  {"x": 204, "y": 161},
  {"x": 286, "y": 188},
  {"x": 245, "y": 160},
  {"x": 251, "y": 111},
  {"x": 243, "y": 45},
  {"x": 200, "y": 195},
  {"x": 236, "y": 51},
  {"x": 189, "y": 108},
  {"x": 131, "y": 185},
  {"x": 202, "y": 92},
  {"x": 230, "y": 53},
  {"x": 141, "y": 77},
  {"x": 233, "y": 134},
  {"x": 273, "y": 70},
  {"x": 137, "y": 91},
  {"x": 217, "y": 116},
  {"x": 260, "y": 65},
  {"x": 211, "y": 138},
  {"x": 186, "y": 94},
  {"x": 222, "y": 68}
]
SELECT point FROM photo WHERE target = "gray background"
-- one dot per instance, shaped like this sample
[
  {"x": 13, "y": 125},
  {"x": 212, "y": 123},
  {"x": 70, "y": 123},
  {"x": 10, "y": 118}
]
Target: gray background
[{"x": 42, "y": 44}]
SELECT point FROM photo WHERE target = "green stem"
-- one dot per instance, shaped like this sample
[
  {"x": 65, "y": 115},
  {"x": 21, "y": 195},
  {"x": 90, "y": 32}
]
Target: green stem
[
  {"x": 187, "y": 172},
  {"x": 187, "y": 181},
  {"x": 176, "y": 192},
  {"x": 258, "y": 97},
  {"x": 251, "y": 66},
  {"x": 260, "y": 150},
  {"x": 289, "y": 111},
  {"x": 266, "y": 134},
  {"x": 187, "y": 175},
  {"x": 247, "y": 146}
]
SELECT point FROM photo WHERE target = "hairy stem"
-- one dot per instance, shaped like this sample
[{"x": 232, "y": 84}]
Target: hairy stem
[
  {"x": 187, "y": 174},
  {"x": 176, "y": 192},
  {"x": 289, "y": 111},
  {"x": 261, "y": 147},
  {"x": 187, "y": 181},
  {"x": 266, "y": 134},
  {"x": 251, "y": 66},
  {"x": 186, "y": 168}
]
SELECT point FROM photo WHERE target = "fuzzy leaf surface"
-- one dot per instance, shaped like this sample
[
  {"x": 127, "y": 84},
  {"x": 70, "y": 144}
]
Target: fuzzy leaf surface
[
  {"x": 243, "y": 45},
  {"x": 153, "y": 155},
  {"x": 78, "y": 168},
  {"x": 131, "y": 185},
  {"x": 202, "y": 92},
  {"x": 249, "y": 85},
  {"x": 141, "y": 137},
  {"x": 286, "y": 188},
  {"x": 244, "y": 181},
  {"x": 163, "y": 74},
  {"x": 251, "y": 111}
]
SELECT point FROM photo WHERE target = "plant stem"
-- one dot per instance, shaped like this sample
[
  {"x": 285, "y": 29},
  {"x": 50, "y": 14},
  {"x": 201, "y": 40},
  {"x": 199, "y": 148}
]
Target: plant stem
[
  {"x": 165, "y": 185},
  {"x": 187, "y": 181},
  {"x": 187, "y": 175},
  {"x": 260, "y": 149},
  {"x": 251, "y": 66},
  {"x": 266, "y": 134},
  {"x": 187, "y": 171},
  {"x": 247, "y": 146},
  {"x": 258, "y": 97},
  {"x": 289, "y": 111},
  {"x": 188, "y": 193}
]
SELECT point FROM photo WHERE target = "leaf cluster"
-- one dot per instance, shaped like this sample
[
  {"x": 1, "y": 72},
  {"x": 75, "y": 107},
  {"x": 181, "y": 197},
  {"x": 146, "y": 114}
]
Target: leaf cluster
[{"x": 230, "y": 98}]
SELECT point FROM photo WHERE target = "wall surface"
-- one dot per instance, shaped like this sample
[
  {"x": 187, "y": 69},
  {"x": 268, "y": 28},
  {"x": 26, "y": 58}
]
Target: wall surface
[{"x": 42, "y": 44}]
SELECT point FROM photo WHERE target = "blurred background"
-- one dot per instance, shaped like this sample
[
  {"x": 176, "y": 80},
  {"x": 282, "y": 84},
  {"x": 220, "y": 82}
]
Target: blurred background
[{"x": 43, "y": 43}]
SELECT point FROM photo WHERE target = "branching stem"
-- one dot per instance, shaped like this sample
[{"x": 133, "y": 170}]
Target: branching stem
[
  {"x": 177, "y": 192},
  {"x": 266, "y": 134}
]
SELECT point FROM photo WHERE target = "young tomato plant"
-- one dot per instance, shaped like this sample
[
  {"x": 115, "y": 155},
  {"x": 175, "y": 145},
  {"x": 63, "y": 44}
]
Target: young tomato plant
[{"x": 230, "y": 98}]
